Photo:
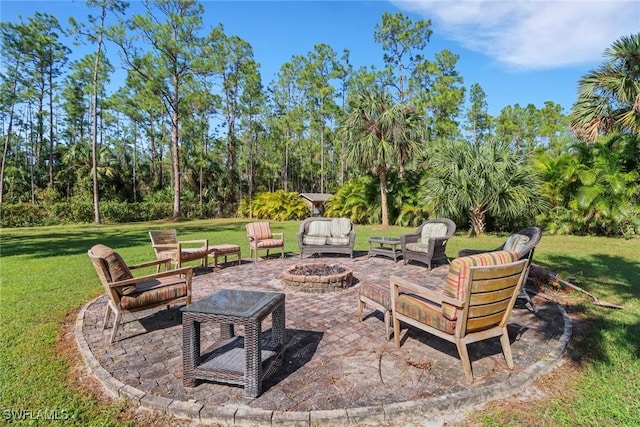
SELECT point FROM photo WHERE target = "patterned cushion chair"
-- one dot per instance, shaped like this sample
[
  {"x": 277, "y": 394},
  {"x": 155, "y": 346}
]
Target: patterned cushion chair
[
  {"x": 429, "y": 242},
  {"x": 167, "y": 246},
  {"x": 318, "y": 235},
  {"x": 261, "y": 237},
  {"x": 128, "y": 294},
  {"x": 474, "y": 304}
]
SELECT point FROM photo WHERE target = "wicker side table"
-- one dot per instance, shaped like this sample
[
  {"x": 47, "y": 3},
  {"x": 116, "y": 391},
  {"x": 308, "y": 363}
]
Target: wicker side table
[{"x": 245, "y": 361}]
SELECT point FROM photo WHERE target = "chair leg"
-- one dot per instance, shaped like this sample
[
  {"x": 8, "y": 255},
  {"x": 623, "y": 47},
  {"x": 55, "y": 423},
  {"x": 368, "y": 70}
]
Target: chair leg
[
  {"x": 396, "y": 331},
  {"x": 282, "y": 252},
  {"x": 464, "y": 358},
  {"x": 506, "y": 348},
  {"x": 360, "y": 308},
  {"x": 387, "y": 324},
  {"x": 107, "y": 315},
  {"x": 116, "y": 324}
]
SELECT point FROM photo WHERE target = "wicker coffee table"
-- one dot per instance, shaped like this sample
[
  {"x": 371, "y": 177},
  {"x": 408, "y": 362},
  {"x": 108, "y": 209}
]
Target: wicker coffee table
[
  {"x": 245, "y": 361},
  {"x": 386, "y": 246}
]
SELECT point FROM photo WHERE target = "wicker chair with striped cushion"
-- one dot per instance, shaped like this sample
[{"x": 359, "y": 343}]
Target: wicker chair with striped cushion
[
  {"x": 474, "y": 305},
  {"x": 429, "y": 242},
  {"x": 261, "y": 237},
  {"x": 127, "y": 294}
]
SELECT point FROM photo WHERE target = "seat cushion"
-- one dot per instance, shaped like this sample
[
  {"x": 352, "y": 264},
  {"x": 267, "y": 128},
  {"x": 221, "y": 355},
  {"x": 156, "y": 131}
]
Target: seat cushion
[
  {"x": 190, "y": 254},
  {"x": 417, "y": 247},
  {"x": 319, "y": 228},
  {"x": 340, "y": 227},
  {"x": 314, "y": 240},
  {"x": 338, "y": 240},
  {"x": 459, "y": 271},
  {"x": 269, "y": 243},
  {"x": 154, "y": 292},
  {"x": 224, "y": 249},
  {"x": 377, "y": 292},
  {"x": 432, "y": 229},
  {"x": 424, "y": 311}
]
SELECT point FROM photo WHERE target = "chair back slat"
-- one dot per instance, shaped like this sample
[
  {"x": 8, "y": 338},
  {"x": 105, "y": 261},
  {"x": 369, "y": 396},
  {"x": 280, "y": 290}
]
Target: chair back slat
[
  {"x": 163, "y": 237},
  {"x": 491, "y": 293}
]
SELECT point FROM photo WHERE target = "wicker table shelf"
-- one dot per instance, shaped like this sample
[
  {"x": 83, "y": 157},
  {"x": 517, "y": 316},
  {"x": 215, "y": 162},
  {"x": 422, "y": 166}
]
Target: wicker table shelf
[
  {"x": 385, "y": 246},
  {"x": 245, "y": 361}
]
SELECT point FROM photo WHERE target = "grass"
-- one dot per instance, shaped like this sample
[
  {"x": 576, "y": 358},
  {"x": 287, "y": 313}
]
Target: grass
[{"x": 46, "y": 277}]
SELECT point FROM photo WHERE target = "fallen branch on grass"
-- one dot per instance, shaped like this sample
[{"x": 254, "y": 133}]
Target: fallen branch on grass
[{"x": 551, "y": 277}]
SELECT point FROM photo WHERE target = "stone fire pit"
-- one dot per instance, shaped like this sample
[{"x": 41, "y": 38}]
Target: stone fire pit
[{"x": 318, "y": 277}]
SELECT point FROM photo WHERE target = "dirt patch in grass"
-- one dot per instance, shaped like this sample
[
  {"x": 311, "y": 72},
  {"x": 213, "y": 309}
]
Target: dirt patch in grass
[{"x": 80, "y": 378}]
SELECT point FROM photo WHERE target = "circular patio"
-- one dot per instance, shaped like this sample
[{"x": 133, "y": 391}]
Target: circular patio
[{"x": 336, "y": 370}]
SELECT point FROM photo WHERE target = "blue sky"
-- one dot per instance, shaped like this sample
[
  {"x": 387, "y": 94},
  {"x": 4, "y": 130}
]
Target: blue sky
[{"x": 524, "y": 52}]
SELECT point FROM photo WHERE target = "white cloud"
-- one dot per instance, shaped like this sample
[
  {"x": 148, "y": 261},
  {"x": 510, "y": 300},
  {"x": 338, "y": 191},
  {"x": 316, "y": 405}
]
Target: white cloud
[{"x": 532, "y": 34}]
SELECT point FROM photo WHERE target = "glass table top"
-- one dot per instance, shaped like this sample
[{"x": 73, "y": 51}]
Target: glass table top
[
  {"x": 380, "y": 239},
  {"x": 233, "y": 302}
]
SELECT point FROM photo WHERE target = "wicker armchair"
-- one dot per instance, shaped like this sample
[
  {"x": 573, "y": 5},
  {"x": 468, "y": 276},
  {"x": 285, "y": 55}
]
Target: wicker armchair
[
  {"x": 128, "y": 294},
  {"x": 429, "y": 242},
  {"x": 475, "y": 304},
  {"x": 524, "y": 243}
]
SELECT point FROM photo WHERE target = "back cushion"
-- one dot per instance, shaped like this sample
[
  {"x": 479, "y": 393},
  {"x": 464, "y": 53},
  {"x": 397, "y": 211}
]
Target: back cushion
[
  {"x": 320, "y": 228},
  {"x": 516, "y": 242},
  {"x": 115, "y": 265},
  {"x": 459, "y": 270},
  {"x": 433, "y": 229},
  {"x": 259, "y": 230},
  {"x": 340, "y": 227}
]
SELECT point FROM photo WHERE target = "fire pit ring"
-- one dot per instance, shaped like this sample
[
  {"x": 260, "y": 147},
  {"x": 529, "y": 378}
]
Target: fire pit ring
[{"x": 317, "y": 277}]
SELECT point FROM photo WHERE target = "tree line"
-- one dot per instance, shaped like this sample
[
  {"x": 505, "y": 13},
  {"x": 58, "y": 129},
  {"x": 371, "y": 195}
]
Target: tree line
[{"x": 194, "y": 128}]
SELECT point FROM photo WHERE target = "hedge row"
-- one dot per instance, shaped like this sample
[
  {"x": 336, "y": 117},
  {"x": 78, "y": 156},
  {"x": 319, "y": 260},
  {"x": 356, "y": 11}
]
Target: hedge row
[{"x": 73, "y": 212}]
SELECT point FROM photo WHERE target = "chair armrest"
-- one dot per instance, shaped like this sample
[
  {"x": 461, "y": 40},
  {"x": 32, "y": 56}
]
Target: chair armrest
[
  {"x": 398, "y": 283},
  {"x": 203, "y": 242},
  {"x": 188, "y": 271},
  {"x": 409, "y": 238},
  {"x": 150, "y": 263},
  {"x": 467, "y": 252},
  {"x": 278, "y": 234},
  {"x": 166, "y": 246}
]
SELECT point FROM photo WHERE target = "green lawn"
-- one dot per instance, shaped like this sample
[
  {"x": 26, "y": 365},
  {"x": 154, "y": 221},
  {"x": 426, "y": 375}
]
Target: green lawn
[{"x": 45, "y": 276}]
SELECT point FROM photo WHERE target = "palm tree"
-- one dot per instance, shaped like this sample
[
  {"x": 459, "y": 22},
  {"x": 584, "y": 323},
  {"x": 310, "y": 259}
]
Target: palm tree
[
  {"x": 609, "y": 96},
  {"x": 476, "y": 180},
  {"x": 378, "y": 134}
]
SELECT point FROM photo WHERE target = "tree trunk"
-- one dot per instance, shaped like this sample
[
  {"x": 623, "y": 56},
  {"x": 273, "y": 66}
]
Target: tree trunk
[
  {"x": 478, "y": 221},
  {"x": 383, "y": 198},
  {"x": 94, "y": 138},
  {"x": 7, "y": 139},
  {"x": 175, "y": 152}
]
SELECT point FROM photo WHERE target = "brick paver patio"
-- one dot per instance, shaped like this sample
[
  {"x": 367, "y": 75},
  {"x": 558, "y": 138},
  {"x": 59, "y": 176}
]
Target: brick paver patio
[{"x": 336, "y": 370}]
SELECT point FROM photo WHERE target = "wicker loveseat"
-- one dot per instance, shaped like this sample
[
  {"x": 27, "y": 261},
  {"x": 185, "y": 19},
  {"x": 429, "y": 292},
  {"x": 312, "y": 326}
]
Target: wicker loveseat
[{"x": 326, "y": 235}]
